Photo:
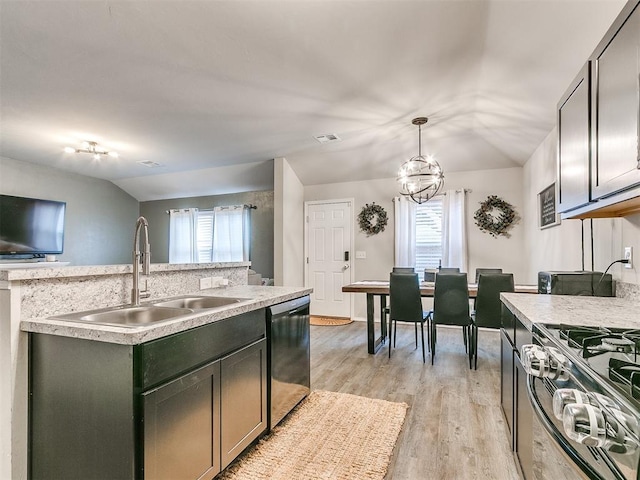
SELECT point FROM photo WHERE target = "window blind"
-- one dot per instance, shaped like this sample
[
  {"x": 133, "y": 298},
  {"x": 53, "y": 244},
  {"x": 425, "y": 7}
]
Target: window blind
[
  {"x": 204, "y": 236},
  {"x": 429, "y": 234}
]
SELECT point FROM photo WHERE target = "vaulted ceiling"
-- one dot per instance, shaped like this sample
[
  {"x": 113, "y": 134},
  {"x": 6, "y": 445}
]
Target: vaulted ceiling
[{"x": 214, "y": 90}]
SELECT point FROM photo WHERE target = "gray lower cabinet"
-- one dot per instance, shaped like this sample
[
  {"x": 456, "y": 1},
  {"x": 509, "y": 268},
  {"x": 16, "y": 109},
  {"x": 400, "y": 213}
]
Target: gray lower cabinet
[
  {"x": 616, "y": 106},
  {"x": 196, "y": 425},
  {"x": 243, "y": 403},
  {"x": 182, "y": 427},
  {"x": 180, "y": 407},
  {"x": 507, "y": 387}
]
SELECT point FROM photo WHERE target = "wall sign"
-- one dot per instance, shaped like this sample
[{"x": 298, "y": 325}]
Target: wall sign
[{"x": 547, "y": 207}]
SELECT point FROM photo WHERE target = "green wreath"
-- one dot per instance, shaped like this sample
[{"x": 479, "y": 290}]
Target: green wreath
[
  {"x": 494, "y": 224},
  {"x": 372, "y": 219}
]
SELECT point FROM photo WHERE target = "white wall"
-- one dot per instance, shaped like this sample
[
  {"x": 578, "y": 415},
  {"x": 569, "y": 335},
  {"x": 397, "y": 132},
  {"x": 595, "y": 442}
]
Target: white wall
[
  {"x": 100, "y": 218},
  {"x": 288, "y": 219},
  {"x": 484, "y": 250},
  {"x": 560, "y": 247}
]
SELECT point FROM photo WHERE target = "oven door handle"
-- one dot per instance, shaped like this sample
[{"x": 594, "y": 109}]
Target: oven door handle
[{"x": 553, "y": 431}]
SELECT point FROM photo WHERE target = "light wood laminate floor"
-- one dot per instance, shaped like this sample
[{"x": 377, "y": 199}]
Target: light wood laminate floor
[{"x": 454, "y": 427}]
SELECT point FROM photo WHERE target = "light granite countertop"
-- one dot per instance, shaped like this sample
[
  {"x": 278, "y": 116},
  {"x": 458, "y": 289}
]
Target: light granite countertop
[
  {"x": 258, "y": 296},
  {"x": 612, "y": 312},
  {"x": 52, "y": 271}
]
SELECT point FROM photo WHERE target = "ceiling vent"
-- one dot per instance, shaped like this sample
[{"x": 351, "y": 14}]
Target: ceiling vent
[
  {"x": 328, "y": 138},
  {"x": 150, "y": 164}
]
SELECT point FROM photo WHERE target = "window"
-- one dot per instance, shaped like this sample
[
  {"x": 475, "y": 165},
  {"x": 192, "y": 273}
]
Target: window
[
  {"x": 222, "y": 234},
  {"x": 429, "y": 234},
  {"x": 203, "y": 236}
]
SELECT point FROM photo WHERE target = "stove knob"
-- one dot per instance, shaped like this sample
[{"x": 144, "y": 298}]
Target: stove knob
[
  {"x": 584, "y": 424},
  {"x": 559, "y": 365},
  {"x": 534, "y": 360},
  {"x": 564, "y": 396},
  {"x": 594, "y": 427},
  {"x": 544, "y": 363}
]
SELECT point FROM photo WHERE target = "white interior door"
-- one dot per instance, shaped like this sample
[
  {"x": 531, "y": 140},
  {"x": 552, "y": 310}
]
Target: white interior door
[{"x": 329, "y": 257}]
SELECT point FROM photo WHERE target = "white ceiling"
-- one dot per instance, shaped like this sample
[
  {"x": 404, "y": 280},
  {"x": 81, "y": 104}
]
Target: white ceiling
[{"x": 214, "y": 90}]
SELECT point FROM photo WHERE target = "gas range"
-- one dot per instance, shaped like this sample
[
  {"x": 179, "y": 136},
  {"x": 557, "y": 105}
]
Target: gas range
[
  {"x": 609, "y": 356},
  {"x": 585, "y": 384}
]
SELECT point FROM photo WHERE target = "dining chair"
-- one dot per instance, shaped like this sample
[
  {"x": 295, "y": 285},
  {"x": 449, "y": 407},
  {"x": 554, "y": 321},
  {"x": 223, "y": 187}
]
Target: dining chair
[
  {"x": 451, "y": 307},
  {"x": 488, "y": 306},
  {"x": 403, "y": 270},
  {"x": 481, "y": 271},
  {"x": 405, "y": 305},
  {"x": 448, "y": 270}
]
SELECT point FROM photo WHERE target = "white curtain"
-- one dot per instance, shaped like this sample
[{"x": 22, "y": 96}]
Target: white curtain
[
  {"x": 454, "y": 231},
  {"x": 405, "y": 232},
  {"x": 183, "y": 236},
  {"x": 231, "y": 234}
]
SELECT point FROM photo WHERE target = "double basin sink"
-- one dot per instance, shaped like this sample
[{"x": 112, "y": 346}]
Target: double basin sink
[{"x": 153, "y": 312}]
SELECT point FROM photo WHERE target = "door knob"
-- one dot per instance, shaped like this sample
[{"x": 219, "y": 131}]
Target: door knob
[{"x": 346, "y": 265}]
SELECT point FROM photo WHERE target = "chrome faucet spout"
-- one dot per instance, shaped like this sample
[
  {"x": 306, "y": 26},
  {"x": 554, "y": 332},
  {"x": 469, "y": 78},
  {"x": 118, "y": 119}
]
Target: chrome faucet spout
[{"x": 143, "y": 257}]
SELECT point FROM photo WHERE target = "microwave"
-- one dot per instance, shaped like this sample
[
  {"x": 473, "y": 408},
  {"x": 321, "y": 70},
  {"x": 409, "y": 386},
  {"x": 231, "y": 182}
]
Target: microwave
[{"x": 575, "y": 283}]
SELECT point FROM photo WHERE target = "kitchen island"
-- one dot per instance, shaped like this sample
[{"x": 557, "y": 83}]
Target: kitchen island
[{"x": 29, "y": 297}]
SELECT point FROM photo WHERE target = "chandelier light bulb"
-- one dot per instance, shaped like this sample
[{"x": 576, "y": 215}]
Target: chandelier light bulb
[
  {"x": 69, "y": 150},
  {"x": 113, "y": 154}
]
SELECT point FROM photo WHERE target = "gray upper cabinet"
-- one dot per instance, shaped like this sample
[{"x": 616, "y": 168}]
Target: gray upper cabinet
[
  {"x": 574, "y": 143},
  {"x": 615, "y": 74}
]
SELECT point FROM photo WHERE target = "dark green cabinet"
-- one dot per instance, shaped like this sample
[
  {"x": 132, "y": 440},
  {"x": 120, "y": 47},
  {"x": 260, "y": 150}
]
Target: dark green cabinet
[{"x": 180, "y": 407}]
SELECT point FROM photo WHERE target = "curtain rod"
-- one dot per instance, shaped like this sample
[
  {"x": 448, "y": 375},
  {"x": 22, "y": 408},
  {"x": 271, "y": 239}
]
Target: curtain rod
[{"x": 249, "y": 206}]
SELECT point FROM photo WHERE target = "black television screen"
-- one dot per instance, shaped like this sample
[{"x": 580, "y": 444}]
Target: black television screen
[{"x": 30, "y": 226}]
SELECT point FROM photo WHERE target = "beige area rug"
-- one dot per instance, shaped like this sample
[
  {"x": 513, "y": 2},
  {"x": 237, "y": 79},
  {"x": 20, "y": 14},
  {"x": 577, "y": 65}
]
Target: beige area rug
[
  {"x": 330, "y": 435},
  {"x": 329, "y": 321}
]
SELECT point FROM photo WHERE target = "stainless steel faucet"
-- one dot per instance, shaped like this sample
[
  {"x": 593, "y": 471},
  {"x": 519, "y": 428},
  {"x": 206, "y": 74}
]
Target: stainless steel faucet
[{"x": 143, "y": 257}]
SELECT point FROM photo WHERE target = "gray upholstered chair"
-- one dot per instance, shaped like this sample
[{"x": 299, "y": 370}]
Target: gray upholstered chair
[
  {"x": 448, "y": 270},
  {"x": 481, "y": 271},
  {"x": 451, "y": 307},
  {"x": 405, "y": 305},
  {"x": 488, "y": 309}
]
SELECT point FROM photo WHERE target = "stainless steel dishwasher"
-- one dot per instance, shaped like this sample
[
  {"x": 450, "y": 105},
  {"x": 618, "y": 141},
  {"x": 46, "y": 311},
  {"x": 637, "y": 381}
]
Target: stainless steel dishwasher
[{"x": 287, "y": 357}]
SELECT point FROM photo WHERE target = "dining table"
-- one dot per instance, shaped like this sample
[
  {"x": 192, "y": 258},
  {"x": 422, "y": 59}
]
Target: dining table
[{"x": 380, "y": 288}]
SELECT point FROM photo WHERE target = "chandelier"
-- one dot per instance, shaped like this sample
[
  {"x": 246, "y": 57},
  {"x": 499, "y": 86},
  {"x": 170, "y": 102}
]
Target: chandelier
[
  {"x": 420, "y": 177},
  {"x": 92, "y": 148}
]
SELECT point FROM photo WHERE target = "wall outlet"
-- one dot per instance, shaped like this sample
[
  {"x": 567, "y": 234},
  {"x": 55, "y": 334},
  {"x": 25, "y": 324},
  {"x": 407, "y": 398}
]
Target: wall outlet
[
  {"x": 361, "y": 254},
  {"x": 224, "y": 282},
  {"x": 216, "y": 282},
  {"x": 205, "y": 283},
  {"x": 628, "y": 255}
]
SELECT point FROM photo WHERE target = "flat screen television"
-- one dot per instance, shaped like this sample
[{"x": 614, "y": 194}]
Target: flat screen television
[{"x": 31, "y": 227}]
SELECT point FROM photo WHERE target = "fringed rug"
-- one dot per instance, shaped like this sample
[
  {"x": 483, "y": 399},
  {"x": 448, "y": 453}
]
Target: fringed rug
[
  {"x": 328, "y": 436},
  {"x": 329, "y": 321}
]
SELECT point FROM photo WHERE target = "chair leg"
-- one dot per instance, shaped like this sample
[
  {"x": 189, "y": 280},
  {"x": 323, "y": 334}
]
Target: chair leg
[
  {"x": 470, "y": 333},
  {"x": 475, "y": 346},
  {"x": 390, "y": 333},
  {"x": 465, "y": 334},
  {"x": 416, "y": 329},
  {"x": 424, "y": 360},
  {"x": 433, "y": 341}
]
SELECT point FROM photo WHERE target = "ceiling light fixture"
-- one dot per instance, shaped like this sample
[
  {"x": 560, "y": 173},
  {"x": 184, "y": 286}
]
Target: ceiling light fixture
[
  {"x": 420, "y": 177},
  {"x": 92, "y": 148}
]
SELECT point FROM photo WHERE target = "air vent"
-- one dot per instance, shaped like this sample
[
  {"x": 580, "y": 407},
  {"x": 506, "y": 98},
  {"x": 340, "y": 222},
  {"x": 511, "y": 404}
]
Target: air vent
[
  {"x": 327, "y": 138},
  {"x": 150, "y": 164}
]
